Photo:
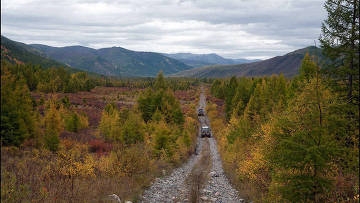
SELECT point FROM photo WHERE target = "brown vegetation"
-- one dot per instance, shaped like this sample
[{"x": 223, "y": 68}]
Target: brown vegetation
[{"x": 86, "y": 167}]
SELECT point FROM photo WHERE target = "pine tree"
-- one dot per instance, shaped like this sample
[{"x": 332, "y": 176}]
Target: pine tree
[
  {"x": 72, "y": 122},
  {"x": 160, "y": 82},
  {"x": 307, "y": 143},
  {"x": 110, "y": 126},
  {"x": 147, "y": 104},
  {"x": 230, "y": 91},
  {"x": 162, "y": 100},
  {"x": 340, "y": 42},
  {"x": 132, "y": 131},
  {"x": 53, "y": 125},
  {"x": 17, "y": 115},
  {"x": 308, "y": 68}
]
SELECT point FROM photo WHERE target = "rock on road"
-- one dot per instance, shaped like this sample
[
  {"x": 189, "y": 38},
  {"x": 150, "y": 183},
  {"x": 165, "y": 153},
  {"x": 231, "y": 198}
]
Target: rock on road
[{"x": 179, "y": 186}]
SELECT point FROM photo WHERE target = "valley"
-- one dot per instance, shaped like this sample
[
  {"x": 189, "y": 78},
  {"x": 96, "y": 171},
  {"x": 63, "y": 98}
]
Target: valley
[
  {"x": 170, "y": 118},
  {"x": 94, "y": 137}
]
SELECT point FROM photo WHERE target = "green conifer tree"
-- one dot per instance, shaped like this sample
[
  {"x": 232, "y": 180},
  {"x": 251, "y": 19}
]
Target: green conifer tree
[
  {"x": 17, "y": 115},
  {"x": 53, "y": 125},
  {"x": 340, "y": 42},
  {"x": 307, "y": 143}
]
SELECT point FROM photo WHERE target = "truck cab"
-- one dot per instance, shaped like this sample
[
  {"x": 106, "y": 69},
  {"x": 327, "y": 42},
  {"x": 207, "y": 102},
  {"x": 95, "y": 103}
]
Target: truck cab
[{"x": 205, "y": 131}]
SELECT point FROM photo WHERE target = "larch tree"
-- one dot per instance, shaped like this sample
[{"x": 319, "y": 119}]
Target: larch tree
[
  {"x": 53, "y": 125},
  {"x": 17, "y": 115},
  {"x": 340, "y": 42},
  {"x": 306, "y": 145}
]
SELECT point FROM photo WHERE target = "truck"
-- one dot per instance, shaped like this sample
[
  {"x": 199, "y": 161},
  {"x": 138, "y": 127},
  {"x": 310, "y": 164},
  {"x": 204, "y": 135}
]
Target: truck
[
  {"x": 201, "y": 112},
  {"x": 205, "y": 131}
]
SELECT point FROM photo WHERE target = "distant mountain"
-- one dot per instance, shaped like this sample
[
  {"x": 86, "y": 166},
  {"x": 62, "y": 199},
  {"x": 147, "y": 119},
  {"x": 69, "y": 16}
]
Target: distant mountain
[
  {"x": 80, "y": 57},
  {"x": 115, "y": 61},
  {"x": 20, "y": 53},
  {"x": 141, "y": 63},
  {"x": 288, "y": 65},
  {"x": 199, "y": 60}
]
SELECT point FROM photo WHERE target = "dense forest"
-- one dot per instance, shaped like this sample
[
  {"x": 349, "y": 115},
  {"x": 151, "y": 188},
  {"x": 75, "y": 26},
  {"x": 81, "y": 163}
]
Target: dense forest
[
  {"x": 288, "y": 140},
  {"x": 296, "y": 140}
]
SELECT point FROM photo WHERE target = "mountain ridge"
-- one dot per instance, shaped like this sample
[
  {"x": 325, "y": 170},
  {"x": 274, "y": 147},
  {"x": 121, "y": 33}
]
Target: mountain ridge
[
  {"x": 20, "y": 53},
  {"x": 199, "y": 60},
  {"x": 288, "y": 65},
  {"x": 114, "y": 61},
  {"x": 118, "y": 61}
]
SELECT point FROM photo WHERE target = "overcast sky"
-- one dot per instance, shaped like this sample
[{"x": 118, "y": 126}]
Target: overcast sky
[{"x": 231, "y": 28}]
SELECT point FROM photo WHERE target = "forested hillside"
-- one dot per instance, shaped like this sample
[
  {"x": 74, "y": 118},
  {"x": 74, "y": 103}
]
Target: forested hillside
[
  {"x": 288, "y": 65},
  {"x": 19, "y": 53},
  {"x": 114, "y": 61},
  {"x": 199, "y": 60}
]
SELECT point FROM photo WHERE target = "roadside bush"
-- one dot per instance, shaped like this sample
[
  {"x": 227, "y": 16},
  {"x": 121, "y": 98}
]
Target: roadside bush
[
  {"x": 99, "y": 147},
  {"x": 75, "y": 121}
]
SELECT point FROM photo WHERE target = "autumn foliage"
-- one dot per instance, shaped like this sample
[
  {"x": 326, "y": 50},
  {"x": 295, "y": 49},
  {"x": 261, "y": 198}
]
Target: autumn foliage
[
  {"x": 287, "y": 140},
  {"x": 59, "y": 146}
]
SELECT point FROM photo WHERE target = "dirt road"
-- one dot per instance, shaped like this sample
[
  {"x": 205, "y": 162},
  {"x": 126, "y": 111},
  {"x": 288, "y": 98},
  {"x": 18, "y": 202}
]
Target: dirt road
[{"x": 200, "y": 179}]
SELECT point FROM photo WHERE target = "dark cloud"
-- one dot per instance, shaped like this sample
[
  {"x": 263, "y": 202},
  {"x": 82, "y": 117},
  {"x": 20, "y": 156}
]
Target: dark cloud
[{"x": 232, "y": 28}]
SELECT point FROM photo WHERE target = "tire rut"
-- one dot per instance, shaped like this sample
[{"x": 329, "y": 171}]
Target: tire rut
[{"x": 199, "y": 174}]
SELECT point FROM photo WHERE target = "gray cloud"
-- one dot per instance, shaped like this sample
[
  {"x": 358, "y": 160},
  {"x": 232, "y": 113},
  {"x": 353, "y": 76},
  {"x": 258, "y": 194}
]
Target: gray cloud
[{"x": 232, "y": 28}]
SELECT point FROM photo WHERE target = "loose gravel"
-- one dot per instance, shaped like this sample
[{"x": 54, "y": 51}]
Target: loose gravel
[
  {"x": 173, "y": 188},
  {"x": 218, "y": 189}
]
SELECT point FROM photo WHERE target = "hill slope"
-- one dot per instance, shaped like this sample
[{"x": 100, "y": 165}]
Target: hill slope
[
  {"x": 80, "y": 57},
  {"x": 199, "y": 60},
  {"x": 141, "y": 63},
  {"x": 114, "y": 61},
  {"x": 288, "y": 65},
  {"x": 19, "y": 53}
]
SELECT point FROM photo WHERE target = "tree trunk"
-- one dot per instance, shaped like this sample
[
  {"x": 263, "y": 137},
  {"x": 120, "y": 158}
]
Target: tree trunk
[{"x": 353, "y": 51}]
